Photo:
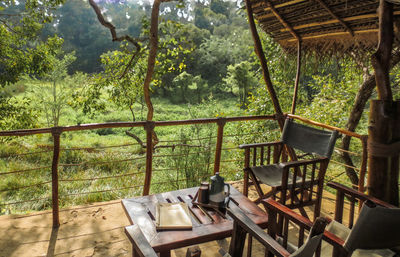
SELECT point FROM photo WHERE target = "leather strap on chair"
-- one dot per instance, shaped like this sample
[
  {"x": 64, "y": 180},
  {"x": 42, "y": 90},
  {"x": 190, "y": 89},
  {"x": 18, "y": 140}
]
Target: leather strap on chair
[{"x": 383, "y": 150}]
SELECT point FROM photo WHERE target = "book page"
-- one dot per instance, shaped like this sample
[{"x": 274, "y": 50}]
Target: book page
[{"x": 173, "y": 216}]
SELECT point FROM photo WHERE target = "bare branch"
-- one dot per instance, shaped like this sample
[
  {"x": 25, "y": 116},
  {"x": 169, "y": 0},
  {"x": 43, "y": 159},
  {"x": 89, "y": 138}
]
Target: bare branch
[{"x": 114, "y": 36}]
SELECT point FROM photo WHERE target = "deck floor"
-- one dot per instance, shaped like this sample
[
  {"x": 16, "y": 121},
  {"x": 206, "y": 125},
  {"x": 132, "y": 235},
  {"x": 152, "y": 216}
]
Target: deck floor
[{"x": 90, "y": 230}]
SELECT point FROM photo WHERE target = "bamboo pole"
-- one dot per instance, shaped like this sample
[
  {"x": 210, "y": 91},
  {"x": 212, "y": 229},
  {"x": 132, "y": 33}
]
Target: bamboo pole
[
  {"x": 296, "y": 83},
  {"x": 220, "y": 135},
  {"x": 56, "y": 132},
  {"x": 332, "y": 34},
  {"x": 149, "y": 127}
]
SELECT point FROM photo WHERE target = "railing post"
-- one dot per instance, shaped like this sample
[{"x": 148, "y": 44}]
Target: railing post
[
  {"x": 220, "y": 136},
  {"x": 364, "y": 163},
  {"x": 149, "y": 127},
  {"x": 56, "y": 132}
]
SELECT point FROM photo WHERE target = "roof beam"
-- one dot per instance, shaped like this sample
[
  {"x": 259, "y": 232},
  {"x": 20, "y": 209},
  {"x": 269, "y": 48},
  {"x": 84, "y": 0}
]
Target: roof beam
[
  {"x": 331, "y": 34},
  {"x": 322, "y": 3},
  {"x": 278, "y": 5},
  {"x": 282, "y": 20},
  {"x": 352, "y": 18}
]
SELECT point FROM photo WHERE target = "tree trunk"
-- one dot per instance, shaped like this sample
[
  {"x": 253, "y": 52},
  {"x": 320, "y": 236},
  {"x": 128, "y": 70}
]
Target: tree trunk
[
  {"x": 361, "y": 100},
  {"x": 382, "y": 112}
]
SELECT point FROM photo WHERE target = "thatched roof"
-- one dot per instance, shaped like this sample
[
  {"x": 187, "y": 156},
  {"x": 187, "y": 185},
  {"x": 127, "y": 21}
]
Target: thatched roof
[{"x": 322, "y": 25}]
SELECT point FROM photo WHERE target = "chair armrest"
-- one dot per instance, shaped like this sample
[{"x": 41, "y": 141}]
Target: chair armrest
[
  {"x": 271, "y": 204},
  {"x": 139, "y": 241},
  {"x": 301, "y": 162},
  {"x": 332, "y": 239},
  {"x": 243, "y": 221},
  {"x": 358, "y": 195},
  {"x": 244, "y": 146}
]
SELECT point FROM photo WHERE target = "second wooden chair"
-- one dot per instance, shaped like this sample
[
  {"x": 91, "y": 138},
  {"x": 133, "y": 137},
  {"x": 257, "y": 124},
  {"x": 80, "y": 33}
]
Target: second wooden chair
[{"x": 297, "y": 183}]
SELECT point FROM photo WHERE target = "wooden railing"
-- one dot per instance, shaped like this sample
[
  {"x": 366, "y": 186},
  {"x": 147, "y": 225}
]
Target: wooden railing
[{"x": 149, "y": 127}]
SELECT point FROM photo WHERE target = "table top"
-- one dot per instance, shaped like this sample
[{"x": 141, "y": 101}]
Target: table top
[{"x": 141, "y": 211}]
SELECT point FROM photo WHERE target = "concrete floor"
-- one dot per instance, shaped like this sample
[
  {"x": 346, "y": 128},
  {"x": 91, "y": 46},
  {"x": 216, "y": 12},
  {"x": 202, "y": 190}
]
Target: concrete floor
[{"x": 90, "y": 230}]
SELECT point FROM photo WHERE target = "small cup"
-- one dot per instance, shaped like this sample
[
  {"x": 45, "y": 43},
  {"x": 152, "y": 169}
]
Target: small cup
[{"x": 203, "y": 196}]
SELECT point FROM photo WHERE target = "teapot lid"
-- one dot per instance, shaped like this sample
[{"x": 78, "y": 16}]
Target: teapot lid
[{"x": 217, "y": 177}]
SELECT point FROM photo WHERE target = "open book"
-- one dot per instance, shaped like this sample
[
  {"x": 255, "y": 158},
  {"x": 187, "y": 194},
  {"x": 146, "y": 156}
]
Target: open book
[{"x": 171, "y": 216}]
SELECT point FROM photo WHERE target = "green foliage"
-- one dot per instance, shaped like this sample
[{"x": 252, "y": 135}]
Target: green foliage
[
  {"x": 54, "y": 97},
  {"x": 333, "y": 103},
  {"x": 241, "y": 80},
  {"x": 20, "y": 54}
]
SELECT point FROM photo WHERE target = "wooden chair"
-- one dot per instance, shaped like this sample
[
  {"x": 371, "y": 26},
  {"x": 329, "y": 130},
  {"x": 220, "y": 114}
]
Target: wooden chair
[
  {"x": 274, "y": 246},
  {"x": 377, "y": 227},
  {"x": 269, "y": 166},
  {"x": 142, "y": 247}
]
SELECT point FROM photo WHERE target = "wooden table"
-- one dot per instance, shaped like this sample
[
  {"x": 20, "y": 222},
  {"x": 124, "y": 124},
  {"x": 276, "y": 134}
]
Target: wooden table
[{"x": 141, "y": 211}]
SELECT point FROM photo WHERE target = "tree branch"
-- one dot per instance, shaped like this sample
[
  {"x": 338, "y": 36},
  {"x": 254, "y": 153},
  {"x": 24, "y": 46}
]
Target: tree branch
[
  {"x": 114, "y": 36},
  {"x": 363, "y": 95}
]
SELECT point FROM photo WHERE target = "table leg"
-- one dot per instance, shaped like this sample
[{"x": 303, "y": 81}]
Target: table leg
[
  {"x": 134, "y": 252},
  {"x": 166, "y": 253}
]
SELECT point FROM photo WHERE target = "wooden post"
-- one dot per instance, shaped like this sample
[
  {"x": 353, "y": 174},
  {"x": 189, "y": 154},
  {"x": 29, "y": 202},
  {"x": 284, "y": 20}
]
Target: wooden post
[
  {"x": 149, "y": 127},
  {"x": 296, "y": 83},
  {"x": 393, "y": 188},
  {"x": 56, "y": 132},
  {"x": 381, "y": 111},
  {"x": 379, "y": 131},
  {"x": 381, "y": 58},
  {"x": 364, "y": 162},
  {"x": 267, "y": 79},
  {"x": 218, "y": 148}
]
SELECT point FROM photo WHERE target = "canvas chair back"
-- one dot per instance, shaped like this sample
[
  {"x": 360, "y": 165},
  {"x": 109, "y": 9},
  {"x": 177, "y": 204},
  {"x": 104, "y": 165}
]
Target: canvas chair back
[
  {"x": 376, "y": 228},
  {"x": 309, "y": 247},
  {"x": 308, "y": 139}
]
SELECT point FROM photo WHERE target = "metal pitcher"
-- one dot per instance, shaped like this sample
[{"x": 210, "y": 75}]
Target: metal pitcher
[{"x": 217, "y": 190}]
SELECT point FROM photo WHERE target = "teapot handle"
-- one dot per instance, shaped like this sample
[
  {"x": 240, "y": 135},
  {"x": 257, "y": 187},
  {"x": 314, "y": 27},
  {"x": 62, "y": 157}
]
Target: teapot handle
[{"x": 229, "y": 188}]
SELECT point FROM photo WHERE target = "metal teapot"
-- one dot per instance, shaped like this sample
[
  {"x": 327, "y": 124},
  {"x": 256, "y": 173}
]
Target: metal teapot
[{"x": 217, "y": 190}]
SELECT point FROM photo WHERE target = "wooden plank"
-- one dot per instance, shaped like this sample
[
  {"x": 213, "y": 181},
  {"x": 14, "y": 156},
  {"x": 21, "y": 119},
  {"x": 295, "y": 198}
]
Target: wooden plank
[{"x": 141, "y": 246}]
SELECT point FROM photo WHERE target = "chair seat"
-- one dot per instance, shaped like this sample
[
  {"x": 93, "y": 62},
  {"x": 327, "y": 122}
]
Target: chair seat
[{"x": 271, "y": 175}]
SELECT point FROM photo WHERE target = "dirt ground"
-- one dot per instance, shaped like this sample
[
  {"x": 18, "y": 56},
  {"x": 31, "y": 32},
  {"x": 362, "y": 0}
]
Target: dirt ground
[{"x": 90, "y": 230}]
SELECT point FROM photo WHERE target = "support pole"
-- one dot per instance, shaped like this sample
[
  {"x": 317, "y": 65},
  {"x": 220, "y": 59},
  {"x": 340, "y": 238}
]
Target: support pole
[
  {"x": 381, "y": 58},
  {"x": 149, "y": 127},
  {"x": 56, "y": 132},
  {"x": 296, "y": 83},
  {"x": 218, "y": 148},
  {"x": 393, "y": 189},
  {"x": 267, "y": 79},
  {"x": 381, "y": 111},
  {"x": 379, "y": 131},
  {"x": 364, "y": 162}
]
